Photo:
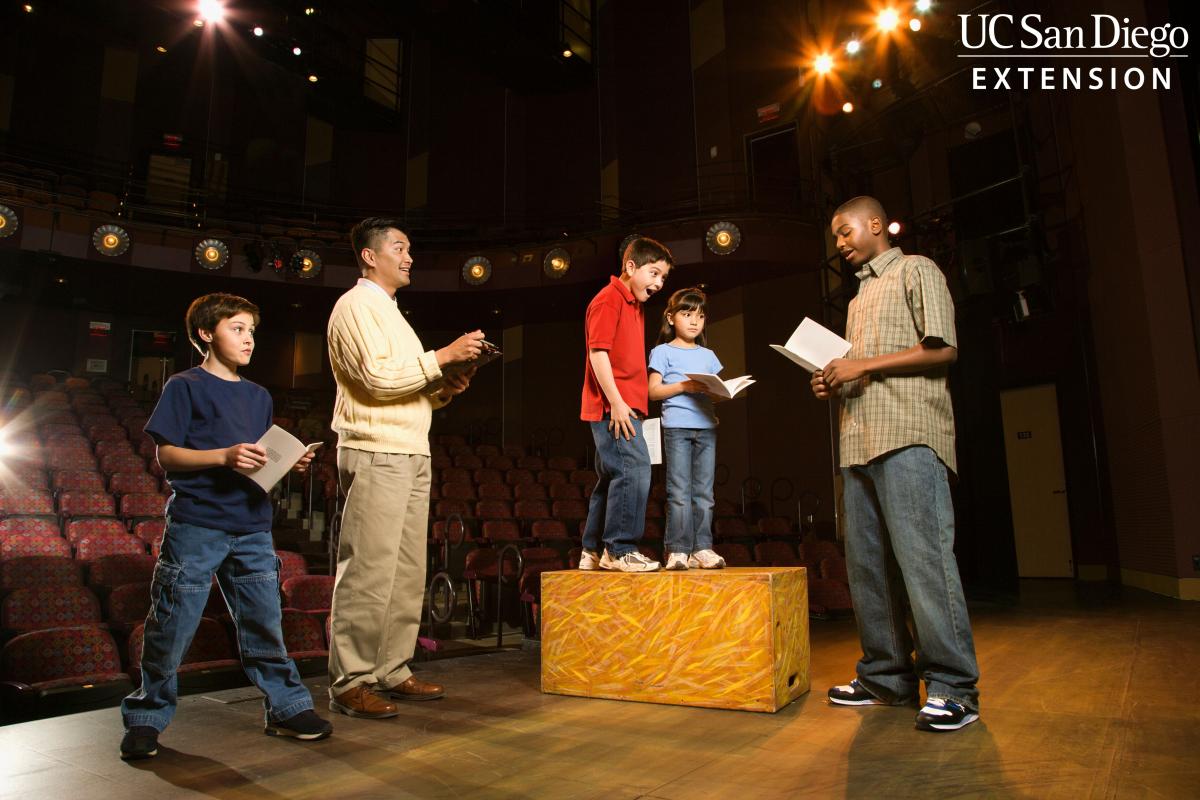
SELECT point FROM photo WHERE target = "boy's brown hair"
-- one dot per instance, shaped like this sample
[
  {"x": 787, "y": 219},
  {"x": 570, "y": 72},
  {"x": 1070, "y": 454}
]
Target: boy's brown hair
[
  {"x": 207, "y": 311},
  {"x": 643, "y": 250}
]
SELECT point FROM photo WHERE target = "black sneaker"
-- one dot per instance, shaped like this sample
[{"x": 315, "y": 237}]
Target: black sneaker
[
  {"x": 140, "y": 741},
  {"x": 944, "y": 715},
  {"x": 306, "y": 725},
  {"x": 855, "y": 694}
]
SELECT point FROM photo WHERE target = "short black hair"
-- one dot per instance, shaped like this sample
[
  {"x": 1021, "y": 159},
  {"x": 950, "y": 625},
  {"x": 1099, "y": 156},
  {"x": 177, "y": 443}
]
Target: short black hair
[
  {"x": 643, "y": 250},
  {"x": 365, "y": 235},
  {"x": 207, "y": 311},
  {"x": 863, "y": 204}
]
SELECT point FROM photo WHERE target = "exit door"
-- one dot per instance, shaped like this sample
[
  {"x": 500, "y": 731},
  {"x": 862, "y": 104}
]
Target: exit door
[{"x": 1036, "y": 482}]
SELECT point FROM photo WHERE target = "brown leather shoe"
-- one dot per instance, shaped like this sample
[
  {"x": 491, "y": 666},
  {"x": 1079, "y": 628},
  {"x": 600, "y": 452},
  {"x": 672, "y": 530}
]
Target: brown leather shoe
[
  {"x": 362, "y": 701},
  {"x": 415, "y": 689}
]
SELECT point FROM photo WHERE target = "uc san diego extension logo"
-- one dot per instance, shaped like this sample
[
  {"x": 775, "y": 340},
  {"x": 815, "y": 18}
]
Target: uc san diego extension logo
[{"x": 1105, "y": 53}]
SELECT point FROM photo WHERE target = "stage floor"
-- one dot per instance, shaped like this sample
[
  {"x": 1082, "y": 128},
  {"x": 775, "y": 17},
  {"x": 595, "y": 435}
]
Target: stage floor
[{"x": 1080, "y": 699}]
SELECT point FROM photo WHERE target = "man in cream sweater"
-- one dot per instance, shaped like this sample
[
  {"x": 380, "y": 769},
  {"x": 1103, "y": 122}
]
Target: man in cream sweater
[{"x": 387, "y": 388}]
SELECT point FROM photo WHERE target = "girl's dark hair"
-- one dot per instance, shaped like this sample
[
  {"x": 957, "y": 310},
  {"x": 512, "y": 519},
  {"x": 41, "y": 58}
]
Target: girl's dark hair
[{"x": 691, "y": 299}]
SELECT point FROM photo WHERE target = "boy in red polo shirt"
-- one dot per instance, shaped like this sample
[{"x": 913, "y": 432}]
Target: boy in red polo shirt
[{"x": 615, "y": 399}]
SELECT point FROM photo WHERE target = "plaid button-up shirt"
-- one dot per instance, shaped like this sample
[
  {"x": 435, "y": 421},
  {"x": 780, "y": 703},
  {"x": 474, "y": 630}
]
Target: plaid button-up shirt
[{"x": 902, "y": 301}]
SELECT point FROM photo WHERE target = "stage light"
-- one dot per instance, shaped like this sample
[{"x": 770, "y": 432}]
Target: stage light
[
  {"x": 894, "y": 228},
  {"x": 476, "y": 270},
  {"x": 567, "y": 54},
  {"x": 313, "y": 78},
  {"x": 308, "y": 12},
  {"x": 887, "y": 20},
  {"x": 161, "y": 49},
  {"x": 28, "y": 8},
  {"x": 877, "y": 84},
  {"x": 628, "y": 240},
  {"x": 212, "y": 10},
  {"x": 212, "y": 254},
  {"x": 110, "y": 240},
  {"x": 823, "y": 63},
  {"x": 914, "y": 24},
  {"x": 924, "y": 5},
  {"x": 847, "y": 107},
  {"x": 296, "y": 50},
  {"x": 853, "y": 46},
  {"x": 556, "y": 263},
  {"x": 723, "y": 238},
  {"x": 306, "y": 263},
  {"x": 8, "y": 222},
  {"x": 258, "y": 31},
  {"x": 199, "y": 23}
]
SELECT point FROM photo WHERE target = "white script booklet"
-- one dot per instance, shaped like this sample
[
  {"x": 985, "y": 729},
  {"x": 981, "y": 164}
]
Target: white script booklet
[
  {"x": 283, "y": 451},
  {"x": 812, "y": 346},
  {"x": 652, "y": 430},
  {"x": 721, "y": 388}
]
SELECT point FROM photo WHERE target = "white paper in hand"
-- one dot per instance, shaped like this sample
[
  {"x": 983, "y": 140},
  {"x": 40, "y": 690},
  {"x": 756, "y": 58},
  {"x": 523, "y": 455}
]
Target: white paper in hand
[
  {"x": 652, "y": 431},
  {"x": 283, "y": 451},
  {"x": 812, "y": 346},
  {"x": 721, "y": 388}
]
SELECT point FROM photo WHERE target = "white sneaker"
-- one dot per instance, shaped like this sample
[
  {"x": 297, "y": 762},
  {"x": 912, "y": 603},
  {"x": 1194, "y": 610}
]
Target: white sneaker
[
  {"x": 588, "y": 560},
  {"x": 630, "y": 562},
  {"x": 705, "y": 559},
  {"x": 677, "y": 561}
]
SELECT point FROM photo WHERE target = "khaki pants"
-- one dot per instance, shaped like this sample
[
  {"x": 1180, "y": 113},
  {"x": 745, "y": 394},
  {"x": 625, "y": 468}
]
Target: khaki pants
[{"x": 380, "y": 584}]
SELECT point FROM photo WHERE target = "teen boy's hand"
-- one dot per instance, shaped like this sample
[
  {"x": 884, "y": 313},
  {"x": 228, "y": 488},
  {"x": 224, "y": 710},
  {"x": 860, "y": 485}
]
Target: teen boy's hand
[
  {"x": 245, "y": 456},
  {"x": 302, "y": 465},
  {"x": 843, "y": 370},
  {"x": 621, "y": 422},
  {"x": 463, "y": 349}
]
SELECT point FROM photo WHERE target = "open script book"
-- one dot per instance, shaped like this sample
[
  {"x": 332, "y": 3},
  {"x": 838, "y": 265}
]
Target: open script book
[
  {"x": 812, "y": 346},
  {"x": 719, "y": 387},
  {"x": 283, "y": 451}
]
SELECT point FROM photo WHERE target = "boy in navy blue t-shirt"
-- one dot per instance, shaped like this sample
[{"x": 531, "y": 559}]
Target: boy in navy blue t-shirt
[{"x": 218, "y": 522}]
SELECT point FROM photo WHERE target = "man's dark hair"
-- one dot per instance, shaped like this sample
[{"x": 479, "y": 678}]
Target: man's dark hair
[
  {"x": 207, "y": 311},
  {"x": 643, "y": 250},
  {"x": 366, "y": 234}
]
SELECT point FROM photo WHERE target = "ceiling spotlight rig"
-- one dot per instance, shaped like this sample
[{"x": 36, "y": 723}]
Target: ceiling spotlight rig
[
  {"x": 477, "y": 270},
  {"x": 723, "y": 238},
  {"x": 212, "y": 254},
  {"x": 110, "y": 240}
]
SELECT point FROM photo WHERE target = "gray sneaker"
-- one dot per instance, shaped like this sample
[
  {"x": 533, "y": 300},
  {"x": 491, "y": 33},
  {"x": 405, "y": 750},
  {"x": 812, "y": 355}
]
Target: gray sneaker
[
  {"x": 588, "y": 560},
  {"x": 630, "y": 562}
]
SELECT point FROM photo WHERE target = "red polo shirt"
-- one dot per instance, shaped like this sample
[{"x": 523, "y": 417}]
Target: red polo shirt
[{"x": 615, "y": 323}]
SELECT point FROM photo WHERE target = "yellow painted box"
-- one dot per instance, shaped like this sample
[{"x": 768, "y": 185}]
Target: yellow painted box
[{"x": 729, "y": 638}]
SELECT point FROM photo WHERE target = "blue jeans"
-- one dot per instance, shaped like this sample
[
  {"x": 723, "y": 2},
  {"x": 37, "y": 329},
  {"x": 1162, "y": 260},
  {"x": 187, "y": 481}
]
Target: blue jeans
[
  {"x": 900, "y": 552},
  {"x": 247, "y": 571},
  {"x": 691, "y": 458},
  {"x": 617, "y": 508}
]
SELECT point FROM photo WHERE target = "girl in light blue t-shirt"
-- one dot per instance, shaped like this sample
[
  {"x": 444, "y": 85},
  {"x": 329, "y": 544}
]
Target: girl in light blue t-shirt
[{"x": 689, "y": 430}]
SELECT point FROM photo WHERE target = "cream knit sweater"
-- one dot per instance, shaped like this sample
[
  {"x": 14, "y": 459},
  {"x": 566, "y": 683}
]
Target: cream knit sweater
[{"x": 385, "y": 392}]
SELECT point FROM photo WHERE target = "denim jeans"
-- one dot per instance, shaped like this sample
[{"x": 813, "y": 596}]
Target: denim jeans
[
  {"x": 900, "y": 552},
  {"x": 247, "y": 571},
  {"x": 617, "y": 508},
  {"x": 691, "y": 460}
]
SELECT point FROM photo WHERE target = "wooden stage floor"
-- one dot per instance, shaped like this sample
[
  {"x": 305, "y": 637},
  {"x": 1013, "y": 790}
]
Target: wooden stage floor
[{"x": 1080, "y": 700}]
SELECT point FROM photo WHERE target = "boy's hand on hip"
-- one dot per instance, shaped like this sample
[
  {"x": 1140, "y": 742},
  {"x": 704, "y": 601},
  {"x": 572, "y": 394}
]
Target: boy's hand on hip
[
  {"x": 621, "y": 423},
  {"x": 465, "y": 348},
  {"x": 245, "y": 456},
  {"x": 819, "y": 387}
]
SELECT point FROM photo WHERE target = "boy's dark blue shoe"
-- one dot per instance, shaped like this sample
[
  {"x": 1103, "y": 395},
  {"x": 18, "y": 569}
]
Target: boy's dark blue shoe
[
  {"x": 944, "y": 715},
  {"x": 140, "y": 741},
  {"x": 306, "y": 725},
  {"x": 855, "y": 694}
]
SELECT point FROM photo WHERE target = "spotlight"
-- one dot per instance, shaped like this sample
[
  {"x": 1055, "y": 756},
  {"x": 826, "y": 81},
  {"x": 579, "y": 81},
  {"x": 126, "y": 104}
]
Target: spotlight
[
  {"x": 894, "y": 228},
  {"x": 313, "y": 78},
  {"x": 308, "y": 12},
  {"x": 914, "y": 24},
  {"x": 924, "y": 5},
  {"x": 28, "y": 8},
  {"x": 274, "y": 259},
  {"x": 567, "y": 53},
  {"x": 847, "y": 107},
  {"x": 877, "y": 84},
  {"x": 306, "y": 263},
  {"x": 823, "y": 63},
  {"x": 8, "y": 222},
  {"x": 476, "y": 270},
  {"x": 258, "y": 31},
  {"x": 161, "y": 49},
  {"x": 556, "y": 263},
  {"x": 723, "y": 238},
  {"x": 212, "y": 254},
  {"x": 212, "y": 10},
  {"x": 853, "y": 46},
  {"x": 887, "y": 20},
  {"x": 628, "y": 240},
  {"x": 199, "y": 23},
  {"x": 972, "y": 130},
  {"x": 296, "y": 50},
  {"x": 110, "y": 240}
]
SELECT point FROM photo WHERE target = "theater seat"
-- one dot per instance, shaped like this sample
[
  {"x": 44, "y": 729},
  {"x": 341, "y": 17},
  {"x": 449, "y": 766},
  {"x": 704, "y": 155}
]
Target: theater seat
[
  {"x": 60, "y": 671},
  {"x": 210, "y": 663}
]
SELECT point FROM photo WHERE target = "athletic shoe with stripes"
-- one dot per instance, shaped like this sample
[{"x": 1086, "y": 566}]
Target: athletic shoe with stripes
[{"x": 944, "y": 715}]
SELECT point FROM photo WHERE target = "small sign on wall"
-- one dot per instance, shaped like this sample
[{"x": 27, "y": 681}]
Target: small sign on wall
[{"x": 97, "y": 365}]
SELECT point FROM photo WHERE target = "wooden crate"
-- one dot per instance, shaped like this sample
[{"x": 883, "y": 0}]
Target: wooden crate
[{"x": 730, "y": 638}]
